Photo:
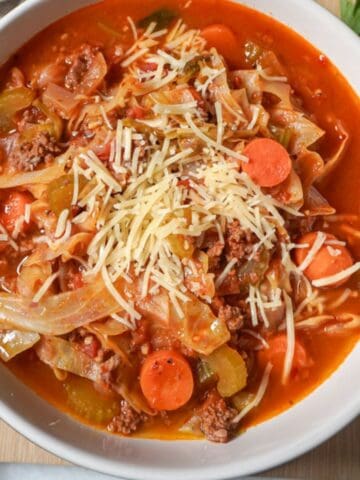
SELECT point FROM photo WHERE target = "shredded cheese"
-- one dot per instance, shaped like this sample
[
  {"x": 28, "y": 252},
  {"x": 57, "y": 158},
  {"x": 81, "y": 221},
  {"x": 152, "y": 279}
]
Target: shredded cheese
[
  {"x": 61, "y": 224},
  {"x": 338, "y": 277},
  {"x": 211, "y": 142},
  {"x": 225, "y": 272},
  {"x": 316, "y": 246},
  {"x": 27, "y": 213},
  {"x": 252, "y": 301},
  {"x": 105, "y": 117},
  {"x": 219, "y": 121},
  {"x": 256, "y": 335},
  {"x": 258, "y": 397},
  {"x": 18, "y": 226},
  {"x": 45, "y": 287},
  {"x": 135, "y": 56},
  {"x": 340, "y": 300},
  {"x": 290, "y": 332},
  {"x": 132, "y": 27},
  {"x": 113, "y": 291}
]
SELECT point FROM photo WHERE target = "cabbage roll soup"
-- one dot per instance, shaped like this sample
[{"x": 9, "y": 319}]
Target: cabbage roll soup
[{"x": 179, "y": 217}]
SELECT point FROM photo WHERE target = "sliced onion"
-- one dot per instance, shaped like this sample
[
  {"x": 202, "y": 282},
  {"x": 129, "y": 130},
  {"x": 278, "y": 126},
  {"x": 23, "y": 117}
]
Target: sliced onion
[
  {"x": 309, "y": 166},
  {"x": 306, "y": 133},
  {"x": 333, "y": 162},
  {"x": 58, "y": 314},
  {"x": 199, "y": 330},
  {"x": 61, "y": 354},
  {"x": 220, "y": 91},
  {"x": 61, "y": 99},
  {"x": 281, "y": 90},
  {"x": 269, "y": 61},
  {"x": 13, "y": 342},
  {"x": 66, "y": 250},
  {"x": 251, "y": 81},
  {"x": 346, "y": 322},
  {"x": 62, "y": 313},
  {"x": 31, "y": 278},
  {"x": 94, "y": 76},
  {"x": 109, "y": 327},
  {"x": 316, "y": 204},
  {"x": 290, "y": 192},
  {"x": 46, "y": 175}
]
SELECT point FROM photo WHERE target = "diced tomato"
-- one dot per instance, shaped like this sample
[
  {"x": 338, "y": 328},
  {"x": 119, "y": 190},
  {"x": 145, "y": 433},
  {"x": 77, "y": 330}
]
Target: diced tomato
[
  {"x": 197, "y": 97},
  {"x": 90, "y": 346},
  {"x": 238, "y": 83},
  {"x": 13, "y": 207},
  {"x": 136, "y": 112},
  {"x": 184, "y": 182},
  {"x": 103, "y": 151},
  {"x": 148, "y": 66},
  {"x": 76, "y": 281}
]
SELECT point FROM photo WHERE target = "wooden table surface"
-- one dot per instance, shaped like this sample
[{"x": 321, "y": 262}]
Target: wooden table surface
[{"x": 338, "y": 458}]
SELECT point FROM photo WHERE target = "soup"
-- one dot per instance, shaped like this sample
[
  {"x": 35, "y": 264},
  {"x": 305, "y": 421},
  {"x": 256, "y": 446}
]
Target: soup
[{"x": 179, "y": 217}]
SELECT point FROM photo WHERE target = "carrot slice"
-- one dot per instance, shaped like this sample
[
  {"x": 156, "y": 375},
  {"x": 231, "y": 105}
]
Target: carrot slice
[
  {"x": 269, "y": 163},
  {"x": 276, "y": 352},
  {"x": 12, "y": 207},
  {"x": 166, "y": 380},
  {"x": 329, "y": 260},
  {"x": 223, "y": 39}
]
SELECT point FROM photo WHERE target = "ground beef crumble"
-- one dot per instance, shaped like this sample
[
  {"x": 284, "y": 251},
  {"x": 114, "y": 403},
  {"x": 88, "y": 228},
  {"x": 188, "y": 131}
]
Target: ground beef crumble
[
  {"x": 127, "y": 421},
  {"x": 232, "y": 316},
  {"x": 26, "y": 156},
  {"x": 216, "y": 418},
  {"x": 81, "y": 63},
  {"x": 213, "y": 248},
  {"x": 239, "y": 242}
]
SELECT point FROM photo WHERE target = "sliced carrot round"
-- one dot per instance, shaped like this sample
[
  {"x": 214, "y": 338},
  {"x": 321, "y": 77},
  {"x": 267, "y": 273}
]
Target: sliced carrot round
[
  {"x": 166, "y": 380},
  {"x": 328, "y": 261},
  {"x": 269, "y": 163},
  {"x": 276, "y": 352},
  {"x": 12, "y": 208},
  {"x": 224, "y": 40}
]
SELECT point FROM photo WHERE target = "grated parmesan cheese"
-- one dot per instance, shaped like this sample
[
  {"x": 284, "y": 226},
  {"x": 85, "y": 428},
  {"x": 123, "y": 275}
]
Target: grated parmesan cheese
[
  {"x": 113, "y": 291},
  {"x": 225, "y": 272},
  {"x": 45, "y": 287},
  {"x": 338, "y": 277},
  {"x": 133, "y": 28},
  {"x": 290, "y": 332},
  {"x": 27, "y": 213},
  {"x": 258, "y": 397},
  {"x": 61, "y": 224},
  {"x": 211, "y": 142},
  {"x": 315, "y": 248}
]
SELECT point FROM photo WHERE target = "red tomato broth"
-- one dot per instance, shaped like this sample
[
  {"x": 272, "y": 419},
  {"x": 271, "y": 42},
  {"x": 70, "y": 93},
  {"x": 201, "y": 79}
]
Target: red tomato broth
[
  {"x": 308, "y": 70},
  {"x": 309, "y": 73}
]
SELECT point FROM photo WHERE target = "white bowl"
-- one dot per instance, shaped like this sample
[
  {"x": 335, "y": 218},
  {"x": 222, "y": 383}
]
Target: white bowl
[{"x": 329, "y": 408}]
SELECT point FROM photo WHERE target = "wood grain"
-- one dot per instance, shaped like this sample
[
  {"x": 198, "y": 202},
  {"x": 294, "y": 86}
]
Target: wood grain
[{"x": 338, "y": 458}]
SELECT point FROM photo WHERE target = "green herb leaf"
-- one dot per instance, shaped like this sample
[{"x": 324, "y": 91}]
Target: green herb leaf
[
  {"x": 350, "y": 13},
  {"x": 162, "y": 17}
]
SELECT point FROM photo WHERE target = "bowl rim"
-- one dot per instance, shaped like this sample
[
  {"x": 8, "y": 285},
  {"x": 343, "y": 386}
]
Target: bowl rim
[
  {"x": 315, "y": 435},
  {"x": 122, "y": 469}
]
